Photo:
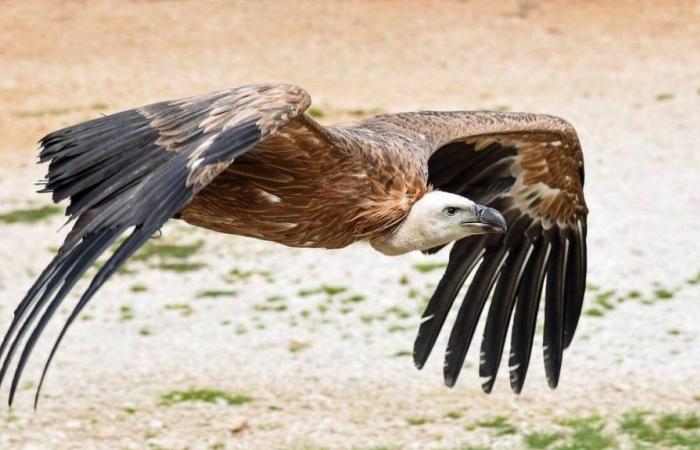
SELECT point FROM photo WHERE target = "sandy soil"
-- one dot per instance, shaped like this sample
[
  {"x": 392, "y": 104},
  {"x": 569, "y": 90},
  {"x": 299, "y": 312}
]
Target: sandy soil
[{"x": 327, "y": 369}]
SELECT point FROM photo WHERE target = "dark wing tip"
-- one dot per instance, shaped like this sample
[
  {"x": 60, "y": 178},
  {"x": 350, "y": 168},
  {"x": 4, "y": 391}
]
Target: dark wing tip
[{"x": 463, "y": 258}]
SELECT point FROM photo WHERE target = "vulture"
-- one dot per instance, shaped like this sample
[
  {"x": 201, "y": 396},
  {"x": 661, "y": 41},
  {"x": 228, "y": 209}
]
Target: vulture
[{"x": 507, "y": 187}]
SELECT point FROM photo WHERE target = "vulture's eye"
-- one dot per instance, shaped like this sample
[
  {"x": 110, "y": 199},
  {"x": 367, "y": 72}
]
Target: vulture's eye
[{"x": 451, "y": 211}]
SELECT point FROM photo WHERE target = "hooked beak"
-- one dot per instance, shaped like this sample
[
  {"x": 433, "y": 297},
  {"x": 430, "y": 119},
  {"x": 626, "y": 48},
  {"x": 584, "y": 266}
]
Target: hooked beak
[{"x": 489, "y": 220}]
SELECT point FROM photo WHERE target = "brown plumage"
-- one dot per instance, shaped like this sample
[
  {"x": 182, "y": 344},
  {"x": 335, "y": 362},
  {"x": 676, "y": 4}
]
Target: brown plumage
[{"x": 248, "y": 161}]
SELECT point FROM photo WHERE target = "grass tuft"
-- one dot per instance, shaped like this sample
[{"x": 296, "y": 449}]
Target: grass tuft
[
  {"x": 126, "y": 313},
  {"x": 663, "y": 96},
  {"x": 184, "y": 308},
  {"x": 315, "y": 112},
  {"x": 414, "y": 421},
  {"x": 154, "y": 249},
  {"x": 587, "y": 434},
  {"x": 453, "y": 415},
  {"x": 29, "y": 215},
  {"x": 203, "y": 395},
  {"x": 541, "y": 440},
  {"x": 136, "y": 288},
  {"x": 499, "y": 424},
  {"x": 663, "y": 294},
  {"x": 180, "y": 266},
  {"x": 216, "y": 294},
  {"x": 663, "y": 430},
  {"x": 593, "y": 312},
  {"x": 429, "y": 267}
]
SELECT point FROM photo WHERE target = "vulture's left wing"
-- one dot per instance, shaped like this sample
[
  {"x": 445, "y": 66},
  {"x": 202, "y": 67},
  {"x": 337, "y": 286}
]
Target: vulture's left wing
[{"x": 529, "y": 167}]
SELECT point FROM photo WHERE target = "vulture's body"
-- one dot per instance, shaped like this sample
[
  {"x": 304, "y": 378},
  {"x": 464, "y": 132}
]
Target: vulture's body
[
  {"x": 248, "y": 161},
  {"x": 307, "y": 186}
]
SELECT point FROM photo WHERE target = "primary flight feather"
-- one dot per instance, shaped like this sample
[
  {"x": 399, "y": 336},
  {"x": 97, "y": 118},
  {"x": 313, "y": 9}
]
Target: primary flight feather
[{"x": 507, "y": 187}]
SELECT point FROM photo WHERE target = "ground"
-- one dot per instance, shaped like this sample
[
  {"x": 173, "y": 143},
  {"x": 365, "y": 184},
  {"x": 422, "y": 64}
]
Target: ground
[{"x": 209, "y": 341}]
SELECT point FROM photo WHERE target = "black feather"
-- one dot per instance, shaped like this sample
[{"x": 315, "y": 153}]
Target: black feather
[
  {"x": 553, "y": 340},
  {"x": 463, "y": 258},
  {"x": 575, "y": 283},
  {"x": 453, "y": 164},
  {"x": 469, "y": 312},
  {"x": 499, "y": 314},
  {"x": 525, "y": 316}
]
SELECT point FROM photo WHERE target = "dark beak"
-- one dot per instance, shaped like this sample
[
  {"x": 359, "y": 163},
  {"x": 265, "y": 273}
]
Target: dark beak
[{"x": 492, "y": 220}]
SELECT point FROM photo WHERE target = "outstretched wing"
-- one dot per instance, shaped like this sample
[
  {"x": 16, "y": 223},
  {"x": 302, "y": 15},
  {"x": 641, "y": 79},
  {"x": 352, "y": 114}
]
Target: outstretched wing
[
  {"x": 135, "y": 170},
  {"x": 529, "y": 167}
]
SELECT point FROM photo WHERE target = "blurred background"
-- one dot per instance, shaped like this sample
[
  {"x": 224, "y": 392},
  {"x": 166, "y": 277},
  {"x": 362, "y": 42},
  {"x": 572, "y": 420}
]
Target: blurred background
[{"x": 208, "y": 341}]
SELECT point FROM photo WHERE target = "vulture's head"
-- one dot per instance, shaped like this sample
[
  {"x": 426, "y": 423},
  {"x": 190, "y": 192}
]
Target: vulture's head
[{"x": 437, "y": 219}]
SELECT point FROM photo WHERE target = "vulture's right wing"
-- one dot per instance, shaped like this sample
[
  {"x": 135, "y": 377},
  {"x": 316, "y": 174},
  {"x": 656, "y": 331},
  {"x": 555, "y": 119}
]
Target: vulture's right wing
[{"x": 135, "y": 170}]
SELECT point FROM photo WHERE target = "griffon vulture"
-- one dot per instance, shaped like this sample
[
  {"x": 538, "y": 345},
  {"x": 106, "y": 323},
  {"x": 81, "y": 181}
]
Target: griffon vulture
[{"x": 506, "y": 186}]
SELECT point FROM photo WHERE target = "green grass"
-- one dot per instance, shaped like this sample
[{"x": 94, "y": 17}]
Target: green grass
[
  {"x": 170, "y": 257},
  {"x": 663, "y": 294},
  {"x": 694, "y": 280},
  {"x": 663, "y": 96},
  {"x": 593, "y": 312},
  {"x": 308, "y": 292},
  {"x": 357, "y": 298},
  {"x": 398, "y": 312},
  {"x": 453, "y": 415},
  {"x": 216, "y": 294},
  {"x": 297, "y": 346},
  {"x": 499, "y": 424},
  {"x": 154, "y": 249},
  {"x": 603, "y": 299},
  {"x": 29, "y": 215},
  {"x": 333, "y": 290},
  {"x": 429, "y": 267},
  {"x": 203, "y": 395},
  {"x": 587, "y": 434},
  {"x": 664, "y": 429},
  {"x": 239, "y": 275},
  {"x": 414, "y": 421},
  {"x": 180, "y": 266},
  {"x": 315, "y": 112},
  {"x": 325, "y": 289},
  {"x": 541, "y": 440},
  {"x": 138, "y": 288},
  {"x": 126, "y": 313},
  {"x": 184, "y": 308},
  {"x": 266, "y": 307}
]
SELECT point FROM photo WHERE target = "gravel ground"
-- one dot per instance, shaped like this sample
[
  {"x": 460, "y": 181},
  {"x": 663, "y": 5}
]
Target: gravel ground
[{"x": 245, "y": 344}]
